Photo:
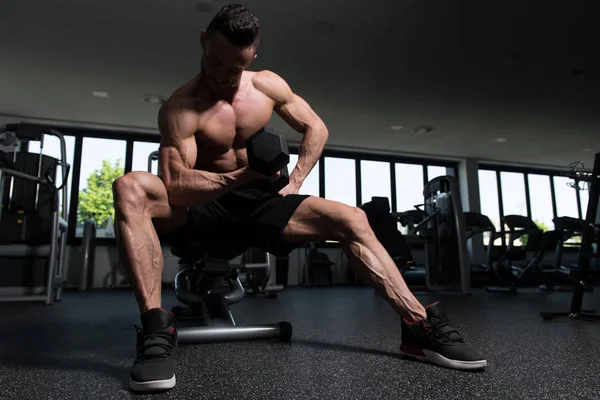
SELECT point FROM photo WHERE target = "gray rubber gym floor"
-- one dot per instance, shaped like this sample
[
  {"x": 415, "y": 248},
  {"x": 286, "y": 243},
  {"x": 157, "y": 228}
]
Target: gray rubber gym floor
[{"x": 344, "y": 347}]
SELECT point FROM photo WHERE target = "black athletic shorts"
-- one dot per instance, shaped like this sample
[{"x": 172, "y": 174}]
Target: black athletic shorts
[{"x": 248, "y": 216}]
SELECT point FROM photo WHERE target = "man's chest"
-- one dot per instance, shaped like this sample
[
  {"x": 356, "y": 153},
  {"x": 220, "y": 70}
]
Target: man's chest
[{"x": 227, "y": 126}]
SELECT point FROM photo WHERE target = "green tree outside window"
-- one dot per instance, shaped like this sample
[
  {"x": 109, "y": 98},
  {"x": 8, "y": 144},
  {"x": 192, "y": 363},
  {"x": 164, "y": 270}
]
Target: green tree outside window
[{"x": 96, "y": 200}]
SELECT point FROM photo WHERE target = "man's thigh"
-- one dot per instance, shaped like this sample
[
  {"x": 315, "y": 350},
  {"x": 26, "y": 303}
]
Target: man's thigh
[
  {"x": 265, "y": 228},
  {"x": 144, "y": 192},
  {"x": 318, "y": 219}
]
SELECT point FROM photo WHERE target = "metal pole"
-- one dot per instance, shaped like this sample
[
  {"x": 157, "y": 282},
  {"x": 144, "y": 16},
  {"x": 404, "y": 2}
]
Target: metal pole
[
  {"x": 12, "y": 181},
  {"x": 62, "y": 268},
  {"x": 50, "y": 281},
  {"x": 153, "y": 157},
  {"x": 39, "y": 171},
  {"x": 585, "y": 251},
  {"x": 62, "y": 262},
  {"x": 1, "y": 192},
  {"x": 197, "y": 335},
  {"x": 89, "y": 234},
  {"x": 63, "y": 154},
  {"x": 459, "y": 220}
]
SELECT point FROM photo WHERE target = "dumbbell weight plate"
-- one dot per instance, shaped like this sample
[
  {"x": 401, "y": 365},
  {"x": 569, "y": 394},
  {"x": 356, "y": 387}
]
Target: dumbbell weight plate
[{"x": 267, "y": 151}]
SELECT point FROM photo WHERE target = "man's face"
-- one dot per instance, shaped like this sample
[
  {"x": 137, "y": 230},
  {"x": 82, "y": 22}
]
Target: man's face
[{"x": 223, "y": 62}]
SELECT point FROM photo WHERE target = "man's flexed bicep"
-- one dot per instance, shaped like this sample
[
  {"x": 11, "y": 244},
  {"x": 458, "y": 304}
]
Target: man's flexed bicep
[{"x": 178, "y": 149}]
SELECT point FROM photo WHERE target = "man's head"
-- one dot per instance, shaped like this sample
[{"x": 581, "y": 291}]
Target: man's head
[{"x": 230, "y": 44}]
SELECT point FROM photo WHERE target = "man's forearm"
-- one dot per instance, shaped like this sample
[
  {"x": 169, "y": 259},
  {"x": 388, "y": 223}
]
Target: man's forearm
[
  {"x": 193, "y": 187},
  {"x": 309, "y": 152}
]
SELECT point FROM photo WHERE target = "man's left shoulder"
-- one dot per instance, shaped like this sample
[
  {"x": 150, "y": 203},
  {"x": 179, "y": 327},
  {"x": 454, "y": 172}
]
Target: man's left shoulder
[
  {"x": 265, "y": 74},
  {"x": 271, "y": 84},
  {"x": 266, "y": 77}
]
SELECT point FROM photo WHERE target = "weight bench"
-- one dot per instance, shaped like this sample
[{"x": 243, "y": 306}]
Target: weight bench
[{"x": 208, "y": 285}]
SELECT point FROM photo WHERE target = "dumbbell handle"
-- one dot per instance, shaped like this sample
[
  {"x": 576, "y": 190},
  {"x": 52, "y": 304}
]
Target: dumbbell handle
[{"x": 281, "y": 181}]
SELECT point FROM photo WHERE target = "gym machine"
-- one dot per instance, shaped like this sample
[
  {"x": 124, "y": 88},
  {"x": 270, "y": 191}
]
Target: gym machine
[
  {"x": 258, "y": 273},
  {"x": 479, "y": 224},
  {"x": 385, "y": 226},
  {"x": 447, "y": 266},
  {"x": 537, "y": 243},
  {"x": 569, "y": 227},
  {"x": 31, "y": 225},
  {"x": 413, "y": 273},
  {"x": 591, "y": 235},
  {"x": 563, "y": 278},
  {"x": 442, "y": 226}
]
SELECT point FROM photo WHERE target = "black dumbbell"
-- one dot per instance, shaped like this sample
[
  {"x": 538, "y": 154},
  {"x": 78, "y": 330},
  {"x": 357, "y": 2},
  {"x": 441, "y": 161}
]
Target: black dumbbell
[{"x": 268, "y": 154}]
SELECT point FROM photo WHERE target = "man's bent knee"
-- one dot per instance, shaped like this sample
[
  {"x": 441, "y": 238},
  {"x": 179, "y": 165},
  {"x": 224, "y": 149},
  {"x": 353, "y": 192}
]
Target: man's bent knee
[
  {"x": 355, "y": 224},
  {"x": 128, "y": 193}
]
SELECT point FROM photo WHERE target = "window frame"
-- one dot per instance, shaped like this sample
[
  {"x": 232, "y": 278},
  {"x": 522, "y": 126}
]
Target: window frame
[{"x": 550, "y": 173}]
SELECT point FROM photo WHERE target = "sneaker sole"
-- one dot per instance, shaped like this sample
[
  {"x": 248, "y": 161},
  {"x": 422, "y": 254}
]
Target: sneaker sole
[
  {"x": 438, "y": 359},
  {"x": 152, "y": 386}
]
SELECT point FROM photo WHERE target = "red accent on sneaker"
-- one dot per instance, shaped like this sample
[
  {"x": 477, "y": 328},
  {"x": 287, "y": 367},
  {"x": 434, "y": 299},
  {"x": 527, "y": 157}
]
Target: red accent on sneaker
[
  {"x": 432, "y": 304},
  {"x": 411, "y": 322},
  {"x": 169, "y": 311},
  {"x": 171, "y": 330},
  {"x": 413, "y": 351}
]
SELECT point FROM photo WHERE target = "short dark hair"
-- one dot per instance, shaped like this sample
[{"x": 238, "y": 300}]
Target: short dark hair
[{"x": 238, "y": 24}]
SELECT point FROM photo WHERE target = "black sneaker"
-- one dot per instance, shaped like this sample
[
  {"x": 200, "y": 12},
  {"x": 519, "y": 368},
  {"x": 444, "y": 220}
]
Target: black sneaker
[
  {"x": 436, "y": 340},
  {"x": 156, "y": 342}
]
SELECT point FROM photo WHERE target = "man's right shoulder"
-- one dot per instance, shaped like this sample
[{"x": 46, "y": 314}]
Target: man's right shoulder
[
  {"x": 184, "y": 105},
  {"x": 180, "y": 116}
]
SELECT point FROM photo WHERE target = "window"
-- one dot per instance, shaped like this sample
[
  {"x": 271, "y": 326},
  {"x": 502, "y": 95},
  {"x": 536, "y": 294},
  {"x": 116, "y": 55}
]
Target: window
[
  {"x": 433, "y": 171},
  {"x": 375, "y": 180},
  {"x": 310, "y": 186},
  {"x": 566, "y": 198},
  {"x": 490, "y": 205},
  {"x": 340, "y": 180},
  {"x": 540, "y": 195},
  {"x": 102, "y": 161},
  {"x": 409, "y": 189},
  {"x": 141, "y": 151},
  {"x": 409, "y": 186},
  {"x": 514, "y": 201},
  {"x": 52, "y": 149}
]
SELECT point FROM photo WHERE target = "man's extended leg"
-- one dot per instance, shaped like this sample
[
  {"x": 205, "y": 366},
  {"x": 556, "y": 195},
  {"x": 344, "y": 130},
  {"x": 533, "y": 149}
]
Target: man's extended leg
[
  {"x": 317, "y": 219},
  {"x": 427, "y": 332},
  {"x": 141, "y": 207}
]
